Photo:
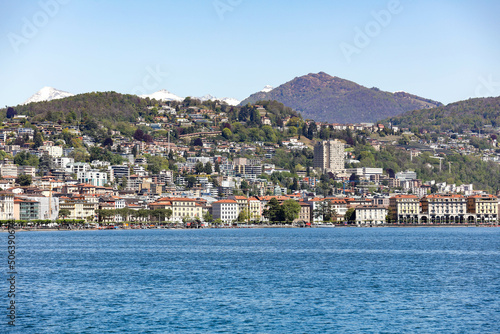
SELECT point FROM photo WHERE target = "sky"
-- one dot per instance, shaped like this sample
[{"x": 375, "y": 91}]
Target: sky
[{"x": 442, "y": 50}]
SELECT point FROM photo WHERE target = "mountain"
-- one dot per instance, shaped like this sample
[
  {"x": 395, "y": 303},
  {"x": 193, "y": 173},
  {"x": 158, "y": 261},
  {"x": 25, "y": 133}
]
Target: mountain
[
  {"x": 229, "y": 100},
  {"x": 471, "y": 114},
  {"x": 322, "y": 97},
  {"x": 163, "y": 95},
  {"x": 47, "y": 94}
]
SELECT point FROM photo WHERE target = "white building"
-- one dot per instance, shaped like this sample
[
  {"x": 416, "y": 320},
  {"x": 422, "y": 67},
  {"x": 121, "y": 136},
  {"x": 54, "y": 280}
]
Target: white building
[
  {"x": 53, "y": 151},
  {"x": 6, "y": 205},
  {"x": 77, "y": 167},
  {"x": 227, "y": 210},
  {"x": 49, "y": 206},
  {"x": 93, "y": 177},
  {"x": 370, "y": 215}
]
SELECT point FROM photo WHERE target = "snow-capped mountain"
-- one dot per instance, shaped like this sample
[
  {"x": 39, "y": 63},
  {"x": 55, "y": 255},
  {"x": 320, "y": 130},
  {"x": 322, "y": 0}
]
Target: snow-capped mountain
[
  {"x": 47, "y": 94},
  {"x": 229, "y": 100},
  {"x": 163, "y": 95},
  {"x": 267, "y": 89}
]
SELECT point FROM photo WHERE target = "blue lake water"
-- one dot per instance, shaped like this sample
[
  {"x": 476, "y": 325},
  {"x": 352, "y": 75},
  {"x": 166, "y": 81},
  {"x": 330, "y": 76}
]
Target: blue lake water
[{"x": 332, "y": 280}]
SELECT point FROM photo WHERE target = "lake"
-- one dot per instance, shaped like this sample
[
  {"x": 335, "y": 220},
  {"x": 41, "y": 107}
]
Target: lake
[{"x": 319, "y": 280}]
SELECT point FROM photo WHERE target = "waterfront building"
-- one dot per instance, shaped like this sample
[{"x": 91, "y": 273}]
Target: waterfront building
[
  {"x": 79, "y": 207},
  {"x": 484, "y": 207},
  {"x": 304, "y": 213},
  {"x": 226, "y": 210},
  {"x": 6, "y": 205},
  {"x": 444, "y": 209},
  {"x": 370, "y": 214},
  {"x": 404, "y": 208}
]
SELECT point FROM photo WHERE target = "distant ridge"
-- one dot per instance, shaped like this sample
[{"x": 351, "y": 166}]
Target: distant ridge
[{"x": 322, "y": 97}]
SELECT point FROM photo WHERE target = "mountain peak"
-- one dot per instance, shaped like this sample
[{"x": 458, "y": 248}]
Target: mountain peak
[
  {"x": 229, "y": 100},
  {"x": 322, "y": 97},
  {"x": 163, "y": 95},
  {"x": 47, "y": 94}
]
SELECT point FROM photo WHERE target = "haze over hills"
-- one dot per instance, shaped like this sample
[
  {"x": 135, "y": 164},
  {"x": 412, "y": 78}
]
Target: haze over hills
[
  {"x": 325, "y": 98},
  {"x": 471, "y": 114}
]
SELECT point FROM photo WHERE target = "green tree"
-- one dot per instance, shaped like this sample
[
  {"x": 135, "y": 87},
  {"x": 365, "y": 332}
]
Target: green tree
[
  {"x": 37, "y": 139},
  {"x": 64, "y": 213},
  {"x": 273, "y": 211},
  {"x": 207, "y": 217},
  {"x": 208, "y": 168},
  {"x": 24, "y": 180},
  {"x": 243, "y": 216},
  {"x": 350, "y": 215},
  {"x": 290, "y": 210},
  {"x": 226, "y": 133}
]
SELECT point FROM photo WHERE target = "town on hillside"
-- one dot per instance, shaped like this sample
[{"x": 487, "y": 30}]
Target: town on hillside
[{"x": 207, "y": 164}]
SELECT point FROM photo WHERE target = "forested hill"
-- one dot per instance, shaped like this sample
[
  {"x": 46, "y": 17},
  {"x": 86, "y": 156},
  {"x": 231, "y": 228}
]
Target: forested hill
[
  {"x": 98, "y": 105},
  {"x": 460, "y": 116},
  {"x": 322, "y": 97}
]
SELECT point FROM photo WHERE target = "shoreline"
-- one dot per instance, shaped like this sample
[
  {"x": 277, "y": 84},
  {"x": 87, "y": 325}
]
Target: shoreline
[{"x": 5, "y": 230}]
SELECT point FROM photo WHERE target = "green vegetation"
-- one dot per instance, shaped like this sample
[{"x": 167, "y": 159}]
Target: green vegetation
[
  {"x": 284, "y": 213},
  {"x": 461, "y": 116},
  {"x": 465, "y": 169}
]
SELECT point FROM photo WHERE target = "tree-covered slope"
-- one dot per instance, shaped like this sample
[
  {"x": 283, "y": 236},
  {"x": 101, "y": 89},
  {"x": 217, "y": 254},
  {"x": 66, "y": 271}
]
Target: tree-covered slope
[
  {"x": 97, "y": 105},
  {"x": 470, "y": 114}
]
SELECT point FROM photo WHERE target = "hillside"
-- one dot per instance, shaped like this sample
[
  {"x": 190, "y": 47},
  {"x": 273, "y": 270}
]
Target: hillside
[
  {"x": 325, "y": 98},
  {"x": 460, "y": 116},
  {"x": 98, "y": 105}
]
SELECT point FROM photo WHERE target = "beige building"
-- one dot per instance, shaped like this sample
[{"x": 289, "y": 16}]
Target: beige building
[
  {"x": 485, "y": 207},
  {"x": 329, "y": 156},
  {"x": 184, "y": 208},
  {"x": 404, "y": 208},
  {"x": 79, "y": 207},
  {"x": 443, "y": 209}
]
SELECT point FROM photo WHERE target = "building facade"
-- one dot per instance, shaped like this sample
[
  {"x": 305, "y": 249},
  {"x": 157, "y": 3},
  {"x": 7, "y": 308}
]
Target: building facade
[{"x": 329, "y": 156}]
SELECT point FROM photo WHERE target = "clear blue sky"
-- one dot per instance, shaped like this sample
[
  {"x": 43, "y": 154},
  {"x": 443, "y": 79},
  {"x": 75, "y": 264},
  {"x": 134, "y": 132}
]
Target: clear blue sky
[{"x": 443, "y": 50}]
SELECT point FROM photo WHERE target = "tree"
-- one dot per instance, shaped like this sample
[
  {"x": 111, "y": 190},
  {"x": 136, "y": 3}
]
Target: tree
[
  {"x": 107, "y": 142},
  {"x": 207, "y": 217},
  {"x": 24, "y": 180},
  {"x": 64, "y": 213},
  {"x": 226, "y": 133},
  {"x": 139, "y": 135},
  {"x": 208, "y": 168},
  {"x": 290, "y": 210},
  {"x": 243, "y": 215},
  {"x": 273, "y": 212},
  {"x": 217, "y": 167},
  {"x": 11, "y": 112},
  {"x": 244, "y": 186},
  {"x": 350, "y": 215},
  {"x": 199, "y": 167},
  {"x": 198, "y": 142},
  {"x": 37, "y": 139}
]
